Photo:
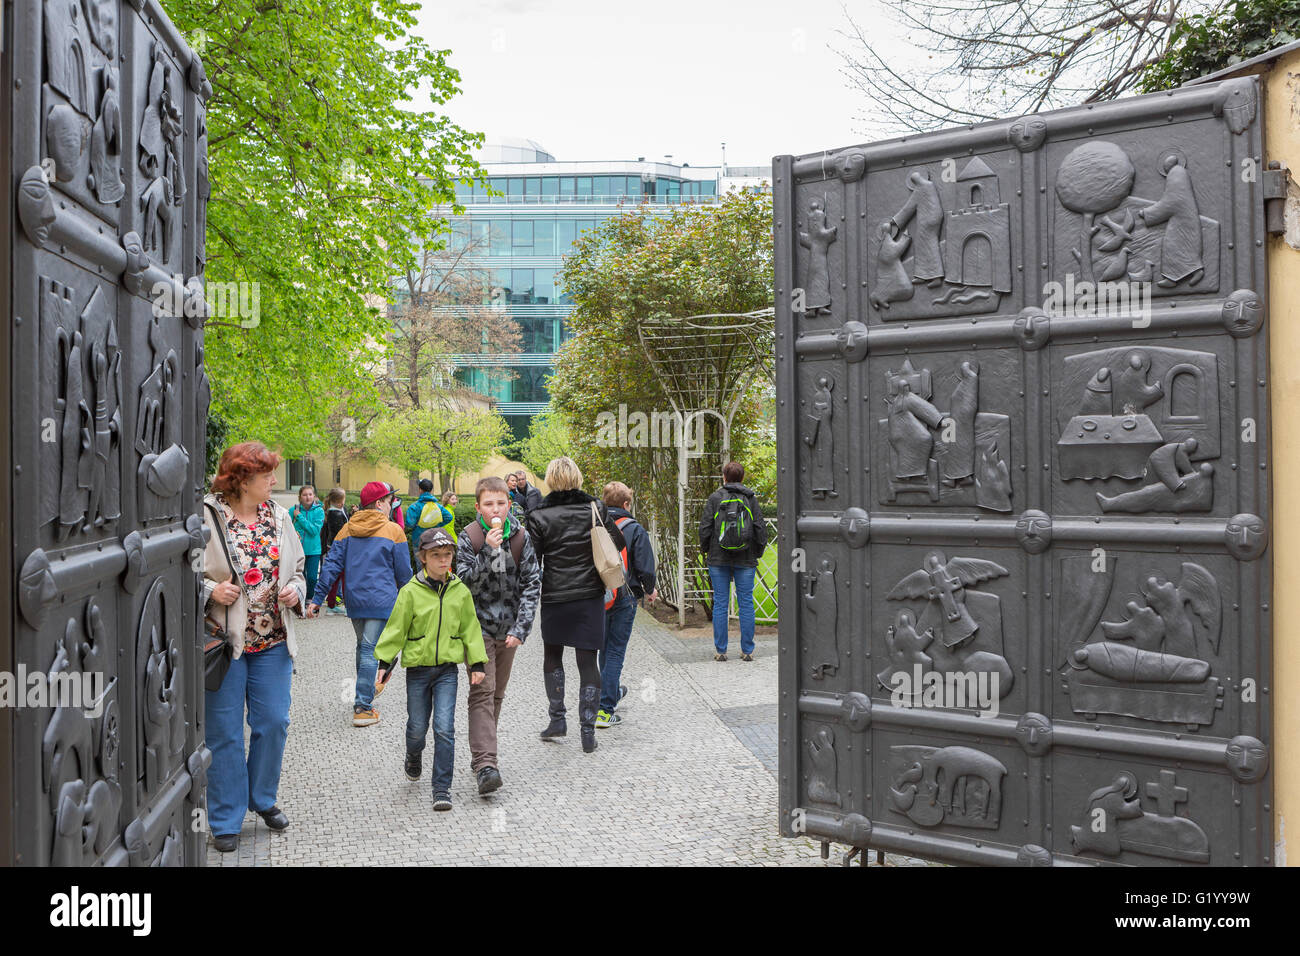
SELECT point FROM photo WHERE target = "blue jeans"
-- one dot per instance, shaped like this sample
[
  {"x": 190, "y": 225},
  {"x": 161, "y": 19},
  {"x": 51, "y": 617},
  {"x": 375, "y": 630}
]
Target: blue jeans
[
  {"x": 311, "y": 571},
  {"x": 237, "y": 784},
  {"x": 722, "y": 576},
  {"x": 432, "y": 690},
  {"x": 618, "y": 631},
  {"x": 368, "y": 630}
]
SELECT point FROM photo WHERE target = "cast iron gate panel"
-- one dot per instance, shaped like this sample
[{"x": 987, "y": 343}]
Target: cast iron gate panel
[
  {"x": 109, "y": 403},
  {"x": 987, "y": 482}
]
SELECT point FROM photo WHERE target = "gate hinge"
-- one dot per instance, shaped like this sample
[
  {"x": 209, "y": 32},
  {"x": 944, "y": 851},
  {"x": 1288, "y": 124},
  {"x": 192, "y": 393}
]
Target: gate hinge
[{"x": 1276, "y": 183}]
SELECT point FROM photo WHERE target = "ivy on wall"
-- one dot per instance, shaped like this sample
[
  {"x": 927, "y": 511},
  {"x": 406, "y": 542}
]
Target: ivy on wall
[{"x": 1235, "y": 32}]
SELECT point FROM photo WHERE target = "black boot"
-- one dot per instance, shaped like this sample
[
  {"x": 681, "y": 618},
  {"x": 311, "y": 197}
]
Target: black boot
[
  {"x": 587, "y": 701},
  {"x": 554, "y": 681}
]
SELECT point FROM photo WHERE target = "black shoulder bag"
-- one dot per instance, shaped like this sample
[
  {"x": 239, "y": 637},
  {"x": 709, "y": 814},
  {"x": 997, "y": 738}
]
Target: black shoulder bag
[{"x": 217, "y": 652}]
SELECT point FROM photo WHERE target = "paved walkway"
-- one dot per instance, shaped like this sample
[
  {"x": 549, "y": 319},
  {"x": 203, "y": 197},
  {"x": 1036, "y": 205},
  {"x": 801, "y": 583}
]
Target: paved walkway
[{"x": 686, "y": 778}]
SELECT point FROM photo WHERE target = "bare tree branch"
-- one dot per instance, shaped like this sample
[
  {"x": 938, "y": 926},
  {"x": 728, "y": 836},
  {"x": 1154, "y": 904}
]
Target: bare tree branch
[{"x": 975, "y": 60}]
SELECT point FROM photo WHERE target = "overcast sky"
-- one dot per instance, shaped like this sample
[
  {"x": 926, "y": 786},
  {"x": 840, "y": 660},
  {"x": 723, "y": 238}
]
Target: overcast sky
[{"x": 593, "y": 80}]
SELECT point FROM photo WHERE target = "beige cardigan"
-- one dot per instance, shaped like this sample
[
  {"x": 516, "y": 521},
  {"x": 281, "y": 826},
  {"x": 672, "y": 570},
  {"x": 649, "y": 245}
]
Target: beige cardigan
[{"x": 216, "y": 569}]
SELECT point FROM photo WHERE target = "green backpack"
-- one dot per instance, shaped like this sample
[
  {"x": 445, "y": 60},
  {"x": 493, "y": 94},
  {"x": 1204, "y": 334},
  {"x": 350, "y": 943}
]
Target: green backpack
[{"x": 733, "y": 524}]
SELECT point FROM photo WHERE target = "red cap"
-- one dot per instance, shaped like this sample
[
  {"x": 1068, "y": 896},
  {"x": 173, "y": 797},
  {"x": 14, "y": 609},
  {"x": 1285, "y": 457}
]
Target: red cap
[{"x": 373, "y": 491}]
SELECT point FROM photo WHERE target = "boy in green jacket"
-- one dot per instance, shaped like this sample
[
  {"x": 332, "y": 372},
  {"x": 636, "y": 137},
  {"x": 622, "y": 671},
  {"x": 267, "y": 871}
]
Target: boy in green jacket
[{"x": 434, "y": 628}]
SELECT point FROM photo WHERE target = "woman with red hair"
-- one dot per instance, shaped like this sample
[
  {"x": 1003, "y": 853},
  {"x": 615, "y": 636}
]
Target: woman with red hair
[{"x": 253, "y": 577}]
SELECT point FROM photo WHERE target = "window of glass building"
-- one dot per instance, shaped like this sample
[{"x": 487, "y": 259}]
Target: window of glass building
[
  {"x": 543, "y": 286},
  {"x": 544, "y": 237},
  {"x": 521, "y": 292},
  {"x": 566, "y": 187},
  {"x": 500, "y": 286},
  {"x": 515, "y": 189},
  {"x": 500, "y": 237},
  {"x": 550, "y": 187},
  {"x": 532, "y": 189},
  {"x": 523, "y": 237},
  {"x": 565, "y": 232},
  {"x": 486, "y": 382},
  {"x": 458, "y": 240},
  {"x": 584, "y": 187},
  {"x": 480, "y": 236}
]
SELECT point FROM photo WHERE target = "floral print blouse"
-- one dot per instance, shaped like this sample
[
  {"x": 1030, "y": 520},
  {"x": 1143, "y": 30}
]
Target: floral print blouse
[{"x": 257, "y": 556}]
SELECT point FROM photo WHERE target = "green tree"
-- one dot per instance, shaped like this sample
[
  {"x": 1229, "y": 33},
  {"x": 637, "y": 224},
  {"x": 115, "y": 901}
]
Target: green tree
[
  {"x": 445, "y": 441},
  {"x": 637, "y": 268},
  {"x": 548, "y": 438},
  {"x": 319, "y": 171},
  {"x": 1228, "y": 35}
]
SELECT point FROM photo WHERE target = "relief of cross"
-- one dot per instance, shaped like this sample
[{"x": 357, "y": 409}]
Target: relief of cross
[{"x": 1166, "y": 795}]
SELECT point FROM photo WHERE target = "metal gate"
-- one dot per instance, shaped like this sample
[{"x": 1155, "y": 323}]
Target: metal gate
[
  {"x": 106, "y": 187},
  {"x": 1023, "y": 431}
]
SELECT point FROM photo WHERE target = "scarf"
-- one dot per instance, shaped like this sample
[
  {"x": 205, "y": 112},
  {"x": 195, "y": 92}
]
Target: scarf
[{"x": 505, "y": 526}]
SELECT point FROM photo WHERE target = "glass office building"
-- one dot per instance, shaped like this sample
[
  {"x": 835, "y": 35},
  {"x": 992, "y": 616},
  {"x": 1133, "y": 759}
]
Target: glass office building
[{"x": 513, "y": 244}]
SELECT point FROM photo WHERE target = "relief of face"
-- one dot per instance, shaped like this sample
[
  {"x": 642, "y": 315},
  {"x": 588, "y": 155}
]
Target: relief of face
[
  {"x": 1033, "y": 855},
  {"x": 1247, "y": 759},
  {"x": 850, "y": 166},
  {"x": 1034, "y": 733},
  {"x": 1246, "y": 536},
  {"x": 36, "y": 205},
  {"x": 1242, "y": 313},
  {"x": 1034, "y": 531},
  {"x": 1028, "y": 134},
  {"x": 855, "y": 526}
]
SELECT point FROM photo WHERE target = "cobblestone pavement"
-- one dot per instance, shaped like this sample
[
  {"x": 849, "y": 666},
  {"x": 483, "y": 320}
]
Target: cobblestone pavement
[{"x": 686, "y": 778}]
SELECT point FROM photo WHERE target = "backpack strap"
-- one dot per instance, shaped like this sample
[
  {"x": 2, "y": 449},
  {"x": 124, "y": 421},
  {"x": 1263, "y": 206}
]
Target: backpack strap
[{"x": 478, "y": 538}]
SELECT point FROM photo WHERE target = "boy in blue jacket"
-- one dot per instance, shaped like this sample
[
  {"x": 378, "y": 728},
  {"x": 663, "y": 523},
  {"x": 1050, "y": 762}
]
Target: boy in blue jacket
[{"x": 371, "y": 553}]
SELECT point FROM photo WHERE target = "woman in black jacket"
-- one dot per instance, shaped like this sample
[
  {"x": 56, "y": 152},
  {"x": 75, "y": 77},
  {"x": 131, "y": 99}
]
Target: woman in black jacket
[{"x": 573, "y": 595}]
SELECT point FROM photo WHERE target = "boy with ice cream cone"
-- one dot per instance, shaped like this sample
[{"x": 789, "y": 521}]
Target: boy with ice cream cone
[{"x": 496, "y": 560}]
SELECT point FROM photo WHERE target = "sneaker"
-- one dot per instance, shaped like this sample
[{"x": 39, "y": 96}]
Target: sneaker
[
  {"x": 489, "y": 779},
  {"x": 622, "y": 691},
  {"x": 719, "y": 657},
  {"x": 442, "y": 801},
  {"x": 607, "y": 719},
  {"x": 413, "y": 766},
  {"x": 746, "y": 657},
  {"x": 364, "y": 716}
]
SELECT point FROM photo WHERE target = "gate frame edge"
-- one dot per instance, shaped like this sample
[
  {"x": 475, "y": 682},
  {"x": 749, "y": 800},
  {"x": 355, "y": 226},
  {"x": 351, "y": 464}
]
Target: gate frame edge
[{"x": 7, "y": 618}]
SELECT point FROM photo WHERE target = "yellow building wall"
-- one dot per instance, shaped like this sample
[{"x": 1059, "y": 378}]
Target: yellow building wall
[
  {"x": 1282, "y": 142},
  {"x": 356, "y": 475}
]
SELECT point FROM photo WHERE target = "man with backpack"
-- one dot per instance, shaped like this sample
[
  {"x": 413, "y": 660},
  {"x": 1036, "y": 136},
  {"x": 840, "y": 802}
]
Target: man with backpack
[
  {"x": 733, "y": 536},
  {"x": 620, "y": 606}
]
